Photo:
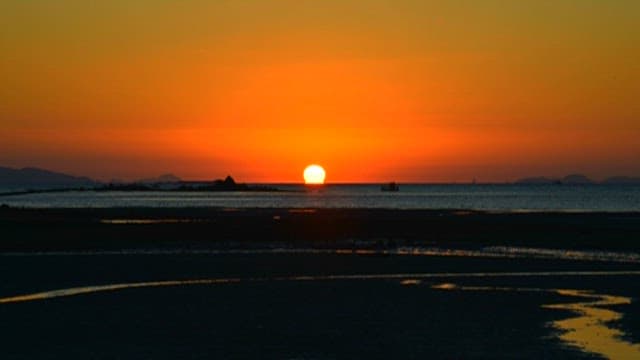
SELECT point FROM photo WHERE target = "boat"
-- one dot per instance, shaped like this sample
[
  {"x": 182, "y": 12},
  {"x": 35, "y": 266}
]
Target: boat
[{"x": 392, "y": 186}]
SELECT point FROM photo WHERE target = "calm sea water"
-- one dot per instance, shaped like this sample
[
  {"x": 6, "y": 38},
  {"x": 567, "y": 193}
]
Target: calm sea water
[{"x": 480, "y": 197}]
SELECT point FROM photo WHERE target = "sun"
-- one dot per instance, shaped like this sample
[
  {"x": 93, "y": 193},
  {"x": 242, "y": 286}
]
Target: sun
[{"x": 314, "y": 175}]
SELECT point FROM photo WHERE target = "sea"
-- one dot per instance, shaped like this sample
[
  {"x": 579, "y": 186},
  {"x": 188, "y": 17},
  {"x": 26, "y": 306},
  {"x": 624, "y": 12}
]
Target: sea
[
  {"x": 488, "y": 302},
  {"x": 487, "y": 197}
]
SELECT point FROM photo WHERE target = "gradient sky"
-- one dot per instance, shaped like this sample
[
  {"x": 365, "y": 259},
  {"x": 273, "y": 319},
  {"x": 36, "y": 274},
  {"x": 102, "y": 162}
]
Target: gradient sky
[{"x": 373, "y": 90}]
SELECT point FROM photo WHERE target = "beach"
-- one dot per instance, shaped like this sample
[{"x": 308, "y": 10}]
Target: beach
[
  {"x": 313, "y": 283},
  {"x": 54, "y": 229}
]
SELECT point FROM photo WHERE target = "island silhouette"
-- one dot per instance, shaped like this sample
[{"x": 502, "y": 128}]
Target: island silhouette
[{"x": 32, "y": 179}]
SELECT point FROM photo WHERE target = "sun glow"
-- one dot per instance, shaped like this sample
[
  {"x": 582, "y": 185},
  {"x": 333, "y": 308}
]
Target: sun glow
[{"x": 314, "y": 175}]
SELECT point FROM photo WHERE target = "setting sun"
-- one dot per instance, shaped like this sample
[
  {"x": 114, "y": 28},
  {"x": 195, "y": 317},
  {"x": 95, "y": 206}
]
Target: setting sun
[
  {"x": 437, "y": 139},
  {"x": 314, "y": 174}
]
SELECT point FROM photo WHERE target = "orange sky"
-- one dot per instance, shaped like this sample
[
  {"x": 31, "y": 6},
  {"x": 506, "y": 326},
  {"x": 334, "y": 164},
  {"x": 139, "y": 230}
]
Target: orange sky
[{"x": 372, "y": 90}]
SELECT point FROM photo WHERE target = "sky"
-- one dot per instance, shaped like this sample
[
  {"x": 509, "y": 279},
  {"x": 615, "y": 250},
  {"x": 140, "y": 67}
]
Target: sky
[{"x": 373, "y": 90}]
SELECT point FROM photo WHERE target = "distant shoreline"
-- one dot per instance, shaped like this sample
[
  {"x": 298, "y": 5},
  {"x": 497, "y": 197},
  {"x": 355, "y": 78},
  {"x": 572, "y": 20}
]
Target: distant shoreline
[
  {"x": 138, "y": 189},
  {"x": 272, "y": 187}
]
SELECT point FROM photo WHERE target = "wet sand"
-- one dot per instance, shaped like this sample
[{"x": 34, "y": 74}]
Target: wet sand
[
  {"x": 294, "y": 306},
  {"x": 213, "y": 228},
  {"x": 316, "y": 284}
]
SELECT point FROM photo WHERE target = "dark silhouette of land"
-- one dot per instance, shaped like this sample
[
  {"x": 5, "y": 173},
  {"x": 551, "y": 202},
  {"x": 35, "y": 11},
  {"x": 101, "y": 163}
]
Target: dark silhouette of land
[
  {"x": 165, "y": 182},
  {"x": 578, "y": 179},
  {"x": 290, "y": 304},
  {"x": 226, "y": 184},
  {"x": 30, "y": 178},
  {"x": 213, "y": 228},
  {"x": 34, "y": 180},
  {"x": 573, "y": 179},
  {"x": 162, "y": 179}
]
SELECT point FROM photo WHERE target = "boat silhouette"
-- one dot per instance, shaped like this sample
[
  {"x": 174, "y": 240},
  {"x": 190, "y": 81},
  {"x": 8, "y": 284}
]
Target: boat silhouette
[{"x": 392, "y": 186}]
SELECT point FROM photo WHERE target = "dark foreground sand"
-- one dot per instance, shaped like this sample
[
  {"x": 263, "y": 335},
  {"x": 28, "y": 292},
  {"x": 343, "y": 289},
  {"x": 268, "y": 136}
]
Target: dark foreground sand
[
  {"x": 317, "y": 301},
  {"x": 126, "y": 228}
]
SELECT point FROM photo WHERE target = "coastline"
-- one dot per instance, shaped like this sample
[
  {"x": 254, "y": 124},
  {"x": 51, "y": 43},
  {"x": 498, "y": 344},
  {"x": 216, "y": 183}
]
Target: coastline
[{"x": 282, "y": 279}]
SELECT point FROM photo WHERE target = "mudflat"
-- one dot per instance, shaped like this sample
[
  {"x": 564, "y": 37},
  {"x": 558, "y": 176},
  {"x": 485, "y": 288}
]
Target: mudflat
[
  {"x": 311, "y": 283},
  {"x": 125, "y": 228}
]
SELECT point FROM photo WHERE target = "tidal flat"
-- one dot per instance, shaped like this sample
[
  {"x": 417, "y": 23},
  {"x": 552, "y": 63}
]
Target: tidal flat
[{"x": 75, "y": 286}]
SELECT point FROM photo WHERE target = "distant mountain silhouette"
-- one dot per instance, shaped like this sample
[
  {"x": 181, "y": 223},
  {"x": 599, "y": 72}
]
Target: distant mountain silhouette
[
  {"x": 536, "y": 180},
  {"x": 162, "y": 179},
  {"x": 34, "y": 178},
  {"x": 576, "y": 179},
  {"x": 622, "y": 180}
]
